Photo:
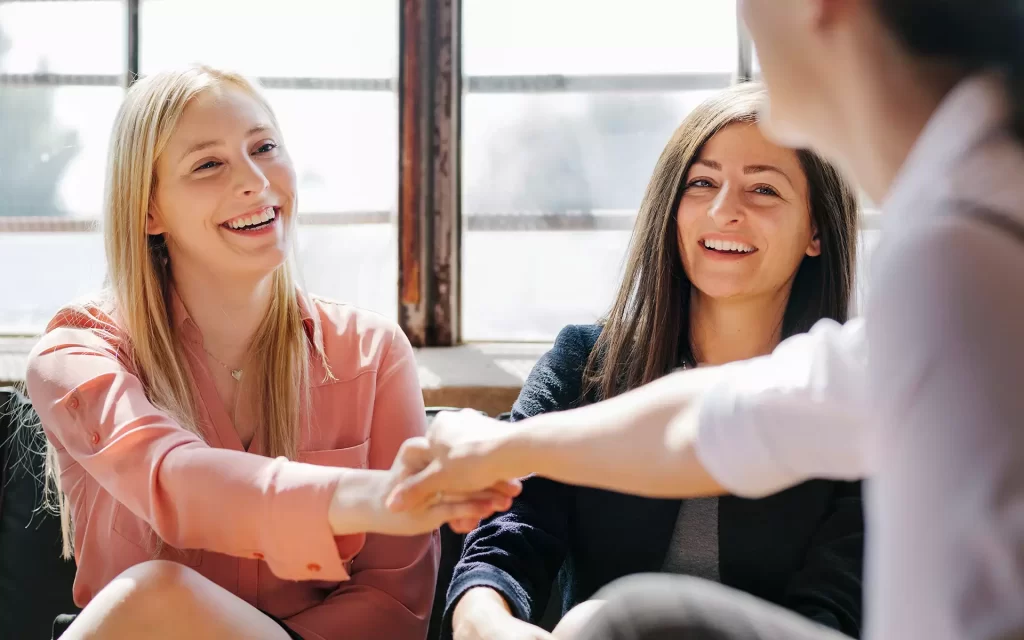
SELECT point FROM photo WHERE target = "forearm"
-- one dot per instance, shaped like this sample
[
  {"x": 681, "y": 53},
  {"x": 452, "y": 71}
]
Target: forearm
[{"x": 641, "y": 442}]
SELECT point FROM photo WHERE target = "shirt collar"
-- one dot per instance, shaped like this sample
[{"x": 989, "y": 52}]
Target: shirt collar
[{"x": 967, "y": 115}]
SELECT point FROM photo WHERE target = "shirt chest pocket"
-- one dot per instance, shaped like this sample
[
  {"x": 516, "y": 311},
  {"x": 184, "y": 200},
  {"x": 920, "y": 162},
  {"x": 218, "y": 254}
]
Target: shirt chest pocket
[
  {"x": 356, "y": 457},
  {"x": 140, "y": 535}
]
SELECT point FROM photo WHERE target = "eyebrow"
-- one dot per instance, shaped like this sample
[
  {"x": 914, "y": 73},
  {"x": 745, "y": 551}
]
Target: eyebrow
[
  {"x": 747, "y": 170},
  {"x": 206, "y": 144}
]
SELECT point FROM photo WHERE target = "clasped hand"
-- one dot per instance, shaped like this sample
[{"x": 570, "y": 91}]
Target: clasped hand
[{"x": 463, "y": 454}]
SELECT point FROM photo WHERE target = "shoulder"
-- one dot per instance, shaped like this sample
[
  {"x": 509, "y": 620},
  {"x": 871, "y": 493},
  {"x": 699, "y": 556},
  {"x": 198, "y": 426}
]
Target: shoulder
[
  {"x": 91, "y": 322},
  {"x": 357, "y": 340},
  {"x": 556, "y": 381},
  {"x": 571, "y": 349},
  {"x": 577, "y": 340}
]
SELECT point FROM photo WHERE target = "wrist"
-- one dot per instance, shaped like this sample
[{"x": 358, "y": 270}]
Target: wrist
[
  {"x": 478, "y": 606},
  {"x": 526, "y": 449},
  {"x": 356, "y": 502}
]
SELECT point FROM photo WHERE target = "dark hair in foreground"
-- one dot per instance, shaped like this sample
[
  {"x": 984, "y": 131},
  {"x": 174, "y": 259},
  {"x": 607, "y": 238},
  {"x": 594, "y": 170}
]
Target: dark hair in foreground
[{"x": 977, "y": 35}]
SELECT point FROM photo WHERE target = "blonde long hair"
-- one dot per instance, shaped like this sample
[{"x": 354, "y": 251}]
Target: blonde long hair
[{"x": 139, "y": 278}]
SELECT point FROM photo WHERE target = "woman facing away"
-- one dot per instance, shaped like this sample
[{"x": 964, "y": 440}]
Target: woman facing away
[
  {"x": 739, "y": 243},
  {"x": 224, "y": 442},
  {"x": 922, "y": 101}
]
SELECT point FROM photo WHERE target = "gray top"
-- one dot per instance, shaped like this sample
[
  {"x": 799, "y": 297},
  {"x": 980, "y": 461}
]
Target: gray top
[{"x": 694, "y": 547}]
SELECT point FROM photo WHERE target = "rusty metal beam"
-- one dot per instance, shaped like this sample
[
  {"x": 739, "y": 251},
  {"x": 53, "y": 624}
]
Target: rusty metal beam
[{"x": 429, "y": 203}]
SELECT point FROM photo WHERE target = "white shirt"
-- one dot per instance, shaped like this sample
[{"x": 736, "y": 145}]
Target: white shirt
[{"x": 923, "y": 397}]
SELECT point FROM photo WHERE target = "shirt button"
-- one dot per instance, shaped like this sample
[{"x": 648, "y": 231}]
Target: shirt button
[
  {"x": 314, "y": 567},
  {"x": 257, "y": 555},
  {"x": 95, "y": 439},
  {"x": 73, "y": 403}
]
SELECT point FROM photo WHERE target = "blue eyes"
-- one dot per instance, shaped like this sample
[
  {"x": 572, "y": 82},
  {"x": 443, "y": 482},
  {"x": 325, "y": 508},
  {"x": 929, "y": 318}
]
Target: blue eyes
[{"x": 266, "y": 147}]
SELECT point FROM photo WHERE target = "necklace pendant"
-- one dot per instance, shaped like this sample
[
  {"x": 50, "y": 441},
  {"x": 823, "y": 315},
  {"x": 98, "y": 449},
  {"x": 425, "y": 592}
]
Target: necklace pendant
[{"x": 236, "y": 374}]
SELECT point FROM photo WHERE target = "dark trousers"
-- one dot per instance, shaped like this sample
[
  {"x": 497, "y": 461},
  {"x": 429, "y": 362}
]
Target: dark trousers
[{"x": 667, "y": 607}]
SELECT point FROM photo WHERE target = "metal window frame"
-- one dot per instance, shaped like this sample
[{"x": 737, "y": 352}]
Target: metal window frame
[{"x": 430, "y": 88}]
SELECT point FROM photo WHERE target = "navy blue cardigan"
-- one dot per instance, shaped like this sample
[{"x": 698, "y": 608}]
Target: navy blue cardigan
[{"x": 801, "y": 548}]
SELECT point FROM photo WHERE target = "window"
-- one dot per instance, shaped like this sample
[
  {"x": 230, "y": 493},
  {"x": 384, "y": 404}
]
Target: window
[
  {"x": 329, "y": 70},
  {"x": 567, "y": 107}
]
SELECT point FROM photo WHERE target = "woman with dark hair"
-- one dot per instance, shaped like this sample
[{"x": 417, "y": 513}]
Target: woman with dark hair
[
  {"x": 738, "y": 244},
  {"x": 922, "y": 101}
]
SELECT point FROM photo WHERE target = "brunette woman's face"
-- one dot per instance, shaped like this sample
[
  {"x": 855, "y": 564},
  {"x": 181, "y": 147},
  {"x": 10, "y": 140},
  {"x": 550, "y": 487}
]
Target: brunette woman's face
[{"x": 744, "y": 222}]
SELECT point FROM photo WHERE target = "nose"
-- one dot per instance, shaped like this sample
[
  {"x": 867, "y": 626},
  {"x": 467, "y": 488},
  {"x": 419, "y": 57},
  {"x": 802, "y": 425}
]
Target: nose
[
  {"x": 249, "y": 179},
  {"x": 726, "y": 209}
]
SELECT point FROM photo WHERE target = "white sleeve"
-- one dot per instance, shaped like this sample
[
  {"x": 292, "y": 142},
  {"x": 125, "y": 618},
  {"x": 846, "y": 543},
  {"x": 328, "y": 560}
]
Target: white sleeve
[
  {"x": 798, "y": 413},
  {"x": 946, "y": 535}
]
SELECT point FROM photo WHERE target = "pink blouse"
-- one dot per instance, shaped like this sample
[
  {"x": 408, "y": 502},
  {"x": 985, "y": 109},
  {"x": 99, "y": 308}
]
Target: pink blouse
[{"x": 256, "y": 526}]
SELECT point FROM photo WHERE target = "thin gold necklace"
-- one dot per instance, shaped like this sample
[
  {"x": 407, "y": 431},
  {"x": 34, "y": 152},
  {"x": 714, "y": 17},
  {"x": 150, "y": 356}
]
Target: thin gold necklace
[{"x": 235, "y": 373}]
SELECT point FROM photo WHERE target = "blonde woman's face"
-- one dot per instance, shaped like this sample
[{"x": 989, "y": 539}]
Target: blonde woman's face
[{"x": 225, "y": 189}]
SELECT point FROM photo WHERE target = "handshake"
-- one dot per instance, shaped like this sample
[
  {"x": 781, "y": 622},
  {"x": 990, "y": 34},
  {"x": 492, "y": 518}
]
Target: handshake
[{"x": 464, "y": 470}]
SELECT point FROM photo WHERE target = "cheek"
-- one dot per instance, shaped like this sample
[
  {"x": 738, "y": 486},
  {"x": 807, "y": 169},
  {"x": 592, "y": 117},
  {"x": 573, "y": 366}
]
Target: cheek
[
  {"x": 788, "y": 244},
  {"x": 281, "y": 176},
  {"x": 185, "y": 208}
]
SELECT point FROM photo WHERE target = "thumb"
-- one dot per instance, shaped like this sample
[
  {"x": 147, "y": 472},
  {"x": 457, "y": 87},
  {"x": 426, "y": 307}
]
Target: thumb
[
  {"x": 414, "y": 455},
  {"x": 417, "y": 490}
]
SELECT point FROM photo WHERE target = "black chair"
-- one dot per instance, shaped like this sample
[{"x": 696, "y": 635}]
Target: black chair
[{"x": 35, "y": 582}]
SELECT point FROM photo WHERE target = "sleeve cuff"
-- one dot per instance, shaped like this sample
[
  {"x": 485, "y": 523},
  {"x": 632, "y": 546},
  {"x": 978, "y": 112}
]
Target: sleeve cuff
[
  {"x": 730, "y": 441},
  {"x": 485, "y": 576},
  {"x": 298, "y": 538}
]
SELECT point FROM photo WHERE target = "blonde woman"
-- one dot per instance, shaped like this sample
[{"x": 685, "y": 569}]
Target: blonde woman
[{"x": 223, "y": 443}]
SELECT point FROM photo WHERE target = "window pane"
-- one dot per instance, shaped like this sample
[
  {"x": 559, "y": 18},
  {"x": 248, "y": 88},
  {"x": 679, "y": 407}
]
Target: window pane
[
  {"x": 533, "y": 161},
  {"x": 54, "y": 142},
  {"x": 47, "y": 270},
  {"x": 598, "y": 36},
  {"x": 344, "y": 145},
  {"x": 307, "y": 38},
  {"x": 71, "y": 37},
  {"x": 353, "y": 263}
]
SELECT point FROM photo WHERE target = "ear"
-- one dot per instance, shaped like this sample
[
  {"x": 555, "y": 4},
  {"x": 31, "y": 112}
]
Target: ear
[
  {"x": 154, "y": 223},
  {"x": 814, "y": 246}
]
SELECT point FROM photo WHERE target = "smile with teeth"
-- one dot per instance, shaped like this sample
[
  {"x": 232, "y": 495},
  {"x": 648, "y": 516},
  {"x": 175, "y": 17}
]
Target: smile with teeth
[
  {"x": 253, "y": 221},
  {"x": 727, "y": 246}
]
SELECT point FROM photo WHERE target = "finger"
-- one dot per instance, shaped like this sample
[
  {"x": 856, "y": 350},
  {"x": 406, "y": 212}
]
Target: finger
[
  {"x": 414, "y": 455},
  {"x": 461, "y": 511},
  {"x": 490, "y": 495},
  {"x": 417, "y": 490},
  {"x": 463, "y": 526},
  {"x": 510, "y": 488}
]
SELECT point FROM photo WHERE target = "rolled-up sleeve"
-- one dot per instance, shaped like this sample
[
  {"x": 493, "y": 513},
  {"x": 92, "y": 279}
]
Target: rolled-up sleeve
[
  {"x": 95, "y": 410},
  {"x": 799, "y": 413}
]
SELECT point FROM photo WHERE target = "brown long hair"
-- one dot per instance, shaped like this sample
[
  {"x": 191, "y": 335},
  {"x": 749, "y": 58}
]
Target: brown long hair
[{"x": 647, "y": 332}]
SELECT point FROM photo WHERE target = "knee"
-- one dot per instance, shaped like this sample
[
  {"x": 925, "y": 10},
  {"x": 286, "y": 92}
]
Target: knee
[
  {"x": 650, "y": 607},
  {"x": 158, "y": 586}
]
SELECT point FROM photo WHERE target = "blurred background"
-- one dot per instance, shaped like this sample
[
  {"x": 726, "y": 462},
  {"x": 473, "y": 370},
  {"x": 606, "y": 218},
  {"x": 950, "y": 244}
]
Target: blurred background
[{"x": 563, "y": 107}]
